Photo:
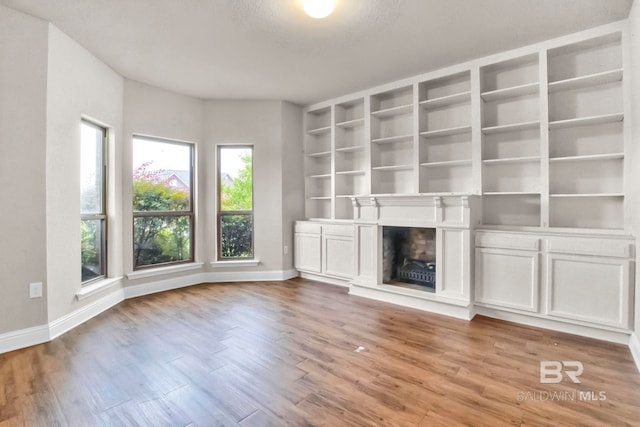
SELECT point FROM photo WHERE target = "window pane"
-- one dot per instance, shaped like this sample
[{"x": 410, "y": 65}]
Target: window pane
[
  {"x": 236, "y": 234},
  {"x": 161, "y": 176},
  {"x": 236, "y": 178},
  {"x": 91, "y": 169},
  {"x": 92, "y": 232},
  {"x": 161, "y": 239}
]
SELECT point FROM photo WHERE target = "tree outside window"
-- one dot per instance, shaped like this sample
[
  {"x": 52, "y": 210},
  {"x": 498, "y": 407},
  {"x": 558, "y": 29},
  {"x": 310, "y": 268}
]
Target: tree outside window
[
  {"x": 162, "y": 202},
  {"x": 93, "y": 216},
  {"x": 235, "y": 202}
]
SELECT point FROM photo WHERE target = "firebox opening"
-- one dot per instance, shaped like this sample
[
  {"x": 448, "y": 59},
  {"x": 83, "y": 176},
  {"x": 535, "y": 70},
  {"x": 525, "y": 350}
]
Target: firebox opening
[{"x": 409, "y": 257}]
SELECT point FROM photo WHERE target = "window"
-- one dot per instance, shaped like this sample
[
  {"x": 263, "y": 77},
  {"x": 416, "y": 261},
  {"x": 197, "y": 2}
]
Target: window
[
  {"x": 162, "y": 202},
  {"x": 93, "y": 217},
  {"x": 235, "y": 202}
]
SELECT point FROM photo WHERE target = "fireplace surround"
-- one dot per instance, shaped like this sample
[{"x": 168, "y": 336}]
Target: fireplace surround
[{"x": 448, "y": 256}]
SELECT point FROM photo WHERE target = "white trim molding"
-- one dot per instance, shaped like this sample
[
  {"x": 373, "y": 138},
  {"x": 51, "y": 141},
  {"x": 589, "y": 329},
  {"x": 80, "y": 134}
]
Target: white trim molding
[
  {"x": 235, "y": 263},
  {"x": 634, "y": 346},
  {"x": 22, "y": 338},
  {"x": 250, "y": 276},
  {"x": 99, "y": 286},
  {"x": 160, "y": 271},
  {"x": 134, "y": 291},
  {"x": 77, "y": 317}
]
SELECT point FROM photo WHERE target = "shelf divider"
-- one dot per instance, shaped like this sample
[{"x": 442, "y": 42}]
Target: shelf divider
[
  {"x": 586, "y": 121},
  {"x": 511, "y": 92},
  {"x": 510, "y": 127},
  {"x": 443, "y": 101},
  {"x": 446, "y": 132},
  {"x": 586, "y": 81}
]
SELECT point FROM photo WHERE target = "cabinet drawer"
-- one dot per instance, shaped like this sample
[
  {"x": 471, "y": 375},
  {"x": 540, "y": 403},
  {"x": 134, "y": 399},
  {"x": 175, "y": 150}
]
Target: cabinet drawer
[
  {"x": 507, "y": 241},
  {"x": 338, "y": 230},
  {"x": 616, "y": 248},
  {"x": 308, "y": 227}
]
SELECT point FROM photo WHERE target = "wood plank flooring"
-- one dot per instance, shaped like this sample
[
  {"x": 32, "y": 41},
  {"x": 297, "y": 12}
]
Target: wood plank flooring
[{"x": 284, "y": 354}]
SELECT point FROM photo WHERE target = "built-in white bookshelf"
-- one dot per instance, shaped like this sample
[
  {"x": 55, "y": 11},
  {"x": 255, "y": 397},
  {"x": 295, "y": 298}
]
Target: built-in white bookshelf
[
  {"x": 538, "y": 133},
  {"x": 586, "y": 139},
  {"x": 392, "y": 142},
  {"x": 318, "y": 163},
  {"x": 351, "y": 161},
  {"x": 444, "y": 148},
  {"x": 510, "y": 111}
]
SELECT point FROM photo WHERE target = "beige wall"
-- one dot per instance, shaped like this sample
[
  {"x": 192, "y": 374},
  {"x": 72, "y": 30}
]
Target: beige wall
[
  {"x": 23, "y": 85},
  {"x": 259, "y": 123},
  {"x": 78, "y": 85},
  {"x": 160, "y": 113},
  {"x": 634, "y": 122},
  {"x": 45, "y": 94},
  {"x": 292, "y": 176}
]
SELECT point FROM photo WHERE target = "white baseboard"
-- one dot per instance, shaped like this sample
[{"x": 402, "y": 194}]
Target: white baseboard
[
  {"x": 22, "y": 338},
  {"x": 325, "y": 279},
  {"x": 249, "y": 276},
  {"x": 569, "y": 328},
  {"x": 634, "y": 346},
  {"x": 27, "y": 337},
  {"x": 75, "y": 318},
  {"x": 133, "y": 291}
]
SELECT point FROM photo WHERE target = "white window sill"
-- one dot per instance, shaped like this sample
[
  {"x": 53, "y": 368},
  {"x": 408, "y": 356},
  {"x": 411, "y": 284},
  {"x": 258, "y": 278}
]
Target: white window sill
[
  {"x": 235, "y": 263},
  {"x": 152, "y": 272},
  {"x": 96, "y": 287}
]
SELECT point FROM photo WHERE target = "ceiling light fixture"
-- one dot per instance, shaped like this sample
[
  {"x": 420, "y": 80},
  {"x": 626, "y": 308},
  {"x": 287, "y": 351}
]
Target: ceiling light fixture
[{"x": 318, "y": 8}]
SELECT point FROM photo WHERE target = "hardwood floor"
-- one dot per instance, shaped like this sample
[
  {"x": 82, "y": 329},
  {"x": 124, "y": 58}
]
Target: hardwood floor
[{"x": 284, "y": 353}]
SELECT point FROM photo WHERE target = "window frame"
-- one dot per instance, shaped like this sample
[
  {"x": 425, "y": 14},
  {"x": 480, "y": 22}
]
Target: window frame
[
  {"x": 167, "y": 214},
  {"x": 102, "y": 216},
  {"x": 220, "y": 213}
]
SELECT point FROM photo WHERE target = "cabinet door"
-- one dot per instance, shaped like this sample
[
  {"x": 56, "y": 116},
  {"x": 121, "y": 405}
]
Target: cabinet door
[
  {"x": 589, "y": 289},
  {"x": 507, "y": 278},
  {"x": 308, "y": 252},
  {"x": 338, "y": 256}
]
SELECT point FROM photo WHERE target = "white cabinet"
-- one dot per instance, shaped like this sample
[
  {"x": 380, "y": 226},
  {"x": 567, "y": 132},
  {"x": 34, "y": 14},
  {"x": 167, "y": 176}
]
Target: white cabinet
[
  {"x": 337, "y": 254},
  {"x": 324, "y": 250},
  {"x": 589, "y": 289},
  {"x": 583, "y": 280},
  {"x": 507, "y": 278},
  {"x": 308, "y": 252}
]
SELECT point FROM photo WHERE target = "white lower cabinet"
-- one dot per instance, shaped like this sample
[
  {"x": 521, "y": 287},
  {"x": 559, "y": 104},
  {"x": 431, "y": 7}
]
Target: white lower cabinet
[
  {"x": 308, "y": 252},
  {"x": 589, "y": 289},
  {"x": 580, "y": 280},
  {"x": 324, "y": 249},
  {"x": 507, "y": 278}
]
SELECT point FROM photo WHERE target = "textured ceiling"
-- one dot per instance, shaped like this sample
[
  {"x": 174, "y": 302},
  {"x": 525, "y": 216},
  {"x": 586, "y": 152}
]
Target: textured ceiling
[{"x": 268, "y": 49}]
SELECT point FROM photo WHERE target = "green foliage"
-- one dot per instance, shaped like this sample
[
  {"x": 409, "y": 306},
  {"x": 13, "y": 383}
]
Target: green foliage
[
  {"x": 89, "y": 250},
  {"x": 159, "y": 239},
  {"x": 238, "y": 196},
  {"x": 157, "y": 196},
  {"x": 237, "y": 236},
  {"x": 236, "y": 231}
]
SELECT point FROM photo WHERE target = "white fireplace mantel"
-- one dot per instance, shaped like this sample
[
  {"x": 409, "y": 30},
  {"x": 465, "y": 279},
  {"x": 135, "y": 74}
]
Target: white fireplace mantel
[
  {"x": 453, "y": 218},
  {"x": 415, "y": 210}
]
